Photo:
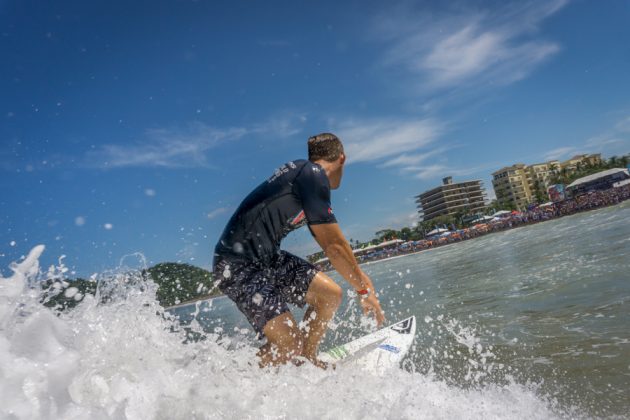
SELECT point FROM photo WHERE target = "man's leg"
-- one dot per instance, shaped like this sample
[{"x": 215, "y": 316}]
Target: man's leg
[
  {"x": 323, "y": 297},
  {"x": 284, "y": 341}
]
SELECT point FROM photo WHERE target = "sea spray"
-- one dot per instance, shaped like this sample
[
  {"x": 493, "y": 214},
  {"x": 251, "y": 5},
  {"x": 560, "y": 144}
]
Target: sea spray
[{"x": 124, "y": 357}]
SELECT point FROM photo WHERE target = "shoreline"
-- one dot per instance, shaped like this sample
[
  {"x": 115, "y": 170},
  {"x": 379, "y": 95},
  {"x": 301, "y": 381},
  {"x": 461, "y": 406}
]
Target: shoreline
[{"x": 509, "y": 223}]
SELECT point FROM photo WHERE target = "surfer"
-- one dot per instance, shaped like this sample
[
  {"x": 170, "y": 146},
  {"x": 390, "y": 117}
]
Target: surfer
[{"x": 262, "y": 280}]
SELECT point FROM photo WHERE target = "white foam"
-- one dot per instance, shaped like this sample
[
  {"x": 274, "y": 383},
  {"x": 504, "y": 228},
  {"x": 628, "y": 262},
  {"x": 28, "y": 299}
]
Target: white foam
[{"x": 121, "y": 360}]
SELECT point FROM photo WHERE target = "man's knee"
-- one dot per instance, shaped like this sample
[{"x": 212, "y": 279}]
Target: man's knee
[
  {"x": 284, "y": 339},
  {"x": 324, "y": 292},
  {"x": 336, "y": 296}
]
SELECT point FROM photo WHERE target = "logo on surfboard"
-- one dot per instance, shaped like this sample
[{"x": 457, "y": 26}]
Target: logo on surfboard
[
  {"x": 389, "y": 348},
  {"x": 403, "y": 327}
]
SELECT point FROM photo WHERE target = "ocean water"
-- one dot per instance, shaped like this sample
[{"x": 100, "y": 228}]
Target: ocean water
[{"x": 528, "y": 323}]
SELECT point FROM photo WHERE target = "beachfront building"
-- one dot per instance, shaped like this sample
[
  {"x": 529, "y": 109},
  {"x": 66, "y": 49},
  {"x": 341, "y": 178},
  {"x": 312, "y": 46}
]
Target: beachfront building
[
  {"x": 512, "y": 186},
  {"x": 539, "y": 176},
  {"x": 520, "y": 184},
  {"x": 450, "y": 198},
  {"x": 581, "y": 160},
  {"x": 599, "y": 181}
]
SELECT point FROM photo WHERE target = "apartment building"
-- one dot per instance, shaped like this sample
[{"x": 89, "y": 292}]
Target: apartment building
[
  {"x": 520, "y": 184},
  {"x": 512, "y": 185},
  {"x": 451, "y": 198},
  {"x": 573, "y": 163}
]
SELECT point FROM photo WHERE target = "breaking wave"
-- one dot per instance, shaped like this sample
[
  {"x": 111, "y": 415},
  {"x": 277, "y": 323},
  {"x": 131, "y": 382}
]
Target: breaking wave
[{"x": 125, "y": 357}]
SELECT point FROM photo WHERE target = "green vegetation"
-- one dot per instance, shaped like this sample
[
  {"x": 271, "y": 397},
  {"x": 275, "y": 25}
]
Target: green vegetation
[
  {"x": 66, "y": 294},
  {"x": 181, "y": 282},
  {"x": 176, "y": 282},
  {"x": 564, "y": 176}
]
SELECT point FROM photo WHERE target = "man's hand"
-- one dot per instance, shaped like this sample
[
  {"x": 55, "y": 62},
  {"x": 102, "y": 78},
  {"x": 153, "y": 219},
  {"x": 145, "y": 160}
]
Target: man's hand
[{"x": 371, "y": 304}]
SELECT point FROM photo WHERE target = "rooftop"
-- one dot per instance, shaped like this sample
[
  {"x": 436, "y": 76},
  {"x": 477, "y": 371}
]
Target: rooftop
[{"x": 597, "y": 175}]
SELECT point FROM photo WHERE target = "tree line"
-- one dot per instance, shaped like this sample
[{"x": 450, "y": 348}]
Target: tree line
[{"x": 566, "y": 176}]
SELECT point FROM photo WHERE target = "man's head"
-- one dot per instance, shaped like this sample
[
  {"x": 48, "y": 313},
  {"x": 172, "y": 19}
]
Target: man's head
[
  {"x": 326, "y": 150},
  {"x": 324, "y": 146}
]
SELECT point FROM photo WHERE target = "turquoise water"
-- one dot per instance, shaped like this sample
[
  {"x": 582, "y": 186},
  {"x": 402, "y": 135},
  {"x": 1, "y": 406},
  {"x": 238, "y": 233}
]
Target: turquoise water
[{"x": 547, "y": 306}]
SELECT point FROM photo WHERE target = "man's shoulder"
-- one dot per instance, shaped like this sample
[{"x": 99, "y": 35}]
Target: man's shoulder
[
  {"x": 304, "y": 168},
  {"x": 308, "y": 168}
]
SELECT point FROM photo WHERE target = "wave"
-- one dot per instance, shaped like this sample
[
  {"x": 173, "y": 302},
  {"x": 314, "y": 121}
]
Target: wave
[{"x": 125, "y": 357}]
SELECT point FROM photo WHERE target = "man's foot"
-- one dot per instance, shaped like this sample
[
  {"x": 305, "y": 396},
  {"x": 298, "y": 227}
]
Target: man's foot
[{"x": 321, "y": 364}]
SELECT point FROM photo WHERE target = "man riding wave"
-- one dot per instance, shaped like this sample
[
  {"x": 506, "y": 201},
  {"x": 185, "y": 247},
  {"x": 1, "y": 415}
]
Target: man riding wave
[{"x": 262, "y": 279}]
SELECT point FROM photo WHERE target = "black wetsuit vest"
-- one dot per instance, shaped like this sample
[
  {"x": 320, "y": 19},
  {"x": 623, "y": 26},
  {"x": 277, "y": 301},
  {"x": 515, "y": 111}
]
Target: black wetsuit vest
[{"x": 296, "y": 194}]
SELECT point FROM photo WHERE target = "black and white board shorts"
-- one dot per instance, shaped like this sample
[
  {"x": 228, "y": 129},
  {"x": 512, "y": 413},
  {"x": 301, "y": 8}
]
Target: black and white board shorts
[{"x": 262, "y": 292}]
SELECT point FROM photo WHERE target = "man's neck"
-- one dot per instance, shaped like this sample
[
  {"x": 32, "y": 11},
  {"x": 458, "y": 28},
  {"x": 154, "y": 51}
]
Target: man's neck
[{"x": 326, "y": 166}]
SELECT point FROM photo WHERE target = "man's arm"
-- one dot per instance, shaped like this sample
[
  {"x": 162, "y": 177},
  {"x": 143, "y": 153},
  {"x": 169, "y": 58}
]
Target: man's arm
[{"x": 338, "y": 251}]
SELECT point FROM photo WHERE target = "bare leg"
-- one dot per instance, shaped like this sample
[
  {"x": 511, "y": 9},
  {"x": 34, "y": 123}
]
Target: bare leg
[
  {"x": 284, "y": 341},
  {"x": 323, "y": 297}
]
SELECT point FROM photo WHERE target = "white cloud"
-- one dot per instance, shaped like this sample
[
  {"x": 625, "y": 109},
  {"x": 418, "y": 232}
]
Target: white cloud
[
  {"x": 374, "y": 140},
  {"x": 561, "y": 153},
  {"x": 405, "y": 160},
  {"x": 470, "y": 48},
  {"x": 439, "y": 171},
  {"x": 170, "y": 148},
  {"x": 217, "y": 212},
  {"x": 187, "y": 146},
  {"x": 615, "y": 141},
  {"x": 282, "y": 125},
  {"x": 430, "y": 171}
]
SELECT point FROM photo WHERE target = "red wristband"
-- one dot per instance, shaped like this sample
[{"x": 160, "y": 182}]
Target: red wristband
[{"x": 363, "y": 292}]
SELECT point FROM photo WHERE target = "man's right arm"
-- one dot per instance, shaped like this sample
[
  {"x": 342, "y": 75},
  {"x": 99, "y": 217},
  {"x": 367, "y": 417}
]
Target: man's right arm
[{"x": 338, "y": 251}]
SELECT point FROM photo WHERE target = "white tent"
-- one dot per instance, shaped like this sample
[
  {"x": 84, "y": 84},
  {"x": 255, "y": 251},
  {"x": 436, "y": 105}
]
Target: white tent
[
  {"x": 481, "y": 219},
  {"x": 437, "y": 231},
  {"x": 392, "y": 242},
  {"x": 501, "y": 213}
]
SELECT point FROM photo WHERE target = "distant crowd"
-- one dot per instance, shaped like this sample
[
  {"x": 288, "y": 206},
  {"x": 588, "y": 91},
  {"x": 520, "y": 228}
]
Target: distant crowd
[{"x": 592, "y": 200}]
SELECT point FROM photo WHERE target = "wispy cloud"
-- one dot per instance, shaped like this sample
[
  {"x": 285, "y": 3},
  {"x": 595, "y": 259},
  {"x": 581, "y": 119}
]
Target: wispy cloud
[
  {"x": 615, "y": 141},
  {"x": 187, "y": 146},
  {"x": 441, "y": 170},
  {"x": 406, "y": 160},
  {"x": 284, "y": 124},
  {"x": 470, "y": 48},
  {"x": 378, "y": 140},
  {"x": 165, "y": 147},
  {"x": 561, "y": 153},
  {"x": 217, "y": 212}
]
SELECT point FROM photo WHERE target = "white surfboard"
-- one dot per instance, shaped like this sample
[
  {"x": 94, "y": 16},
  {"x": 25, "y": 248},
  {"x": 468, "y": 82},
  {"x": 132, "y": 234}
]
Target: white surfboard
[{"x": 377, "y": 352}]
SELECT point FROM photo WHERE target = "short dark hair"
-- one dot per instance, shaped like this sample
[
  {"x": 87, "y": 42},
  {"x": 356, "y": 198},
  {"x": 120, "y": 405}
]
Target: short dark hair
[{"x": 324, "y": 146}]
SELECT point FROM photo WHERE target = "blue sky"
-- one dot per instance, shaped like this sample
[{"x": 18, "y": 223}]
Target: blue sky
[{"x": 137, "y": 127}]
